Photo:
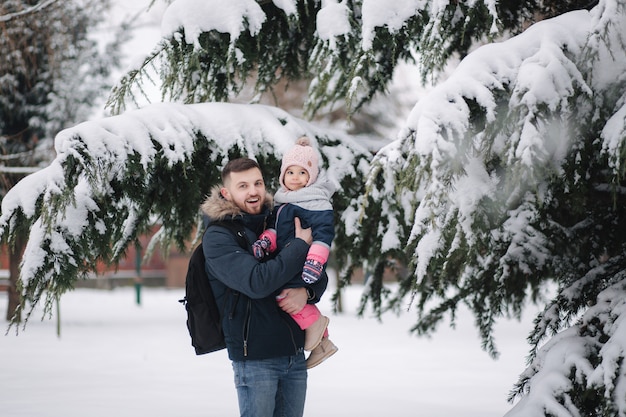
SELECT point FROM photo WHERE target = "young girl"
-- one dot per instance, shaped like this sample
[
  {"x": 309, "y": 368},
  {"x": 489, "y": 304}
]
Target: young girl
[{"x": 305, "y": 196}]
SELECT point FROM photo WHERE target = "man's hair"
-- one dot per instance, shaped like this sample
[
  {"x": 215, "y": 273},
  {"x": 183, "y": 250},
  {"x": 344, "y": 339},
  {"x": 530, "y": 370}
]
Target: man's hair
[{"x": 238, "y": 165}]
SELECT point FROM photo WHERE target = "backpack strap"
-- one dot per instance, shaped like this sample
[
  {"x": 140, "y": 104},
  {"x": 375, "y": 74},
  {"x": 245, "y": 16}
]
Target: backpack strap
[{"x": 236, "y": 228}]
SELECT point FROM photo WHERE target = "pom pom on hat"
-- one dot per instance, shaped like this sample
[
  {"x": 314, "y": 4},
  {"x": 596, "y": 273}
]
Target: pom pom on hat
[{"x": 303, "y": 155}]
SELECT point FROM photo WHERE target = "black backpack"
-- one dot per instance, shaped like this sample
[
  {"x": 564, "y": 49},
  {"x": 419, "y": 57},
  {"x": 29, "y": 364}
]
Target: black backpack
[{"x": 203, "y": 317}]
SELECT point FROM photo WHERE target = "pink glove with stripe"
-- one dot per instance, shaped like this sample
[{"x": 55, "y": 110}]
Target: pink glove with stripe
[{"x": 314, "y": 264}]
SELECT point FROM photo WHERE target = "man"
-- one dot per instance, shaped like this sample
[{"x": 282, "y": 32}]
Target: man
[{"x": 264, "y": 343}]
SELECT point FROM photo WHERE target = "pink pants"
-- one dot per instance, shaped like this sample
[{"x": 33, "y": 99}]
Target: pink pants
[{"x": 307, "y": 316}]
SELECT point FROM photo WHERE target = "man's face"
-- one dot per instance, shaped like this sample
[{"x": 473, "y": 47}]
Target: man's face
[{"x": 246, "y": 189}]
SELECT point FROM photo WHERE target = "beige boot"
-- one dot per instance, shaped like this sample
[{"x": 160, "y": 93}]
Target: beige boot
[
  {"x": 314, "y": 333},
  {"x": 323, "y": 351}
]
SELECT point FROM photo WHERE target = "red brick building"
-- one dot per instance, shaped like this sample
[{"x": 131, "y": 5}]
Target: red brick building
[{"x": 158, "y": 270}]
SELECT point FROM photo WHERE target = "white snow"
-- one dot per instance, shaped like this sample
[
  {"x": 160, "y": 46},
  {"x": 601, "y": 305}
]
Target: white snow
[
  {"x": 117, "y": 358},
  {"x": 332, "y": 21},
  {"x": 196, "y": 17},
  {"x": 382, "y": 13}
]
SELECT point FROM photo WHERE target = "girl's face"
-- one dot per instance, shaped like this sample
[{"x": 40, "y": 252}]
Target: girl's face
[{"x": 295, "y": 177}]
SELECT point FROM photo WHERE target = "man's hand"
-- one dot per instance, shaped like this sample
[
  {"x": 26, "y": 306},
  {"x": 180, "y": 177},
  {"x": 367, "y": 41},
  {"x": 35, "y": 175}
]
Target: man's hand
[
  {"x": 292, "y": 300},
  {"x": 304, "y": 234}
]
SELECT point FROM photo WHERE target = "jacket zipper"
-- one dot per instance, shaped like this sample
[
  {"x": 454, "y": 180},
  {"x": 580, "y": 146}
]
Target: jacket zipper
[
  {"x": 235, "y": 295},
  {"x": 246, "y": 328}
]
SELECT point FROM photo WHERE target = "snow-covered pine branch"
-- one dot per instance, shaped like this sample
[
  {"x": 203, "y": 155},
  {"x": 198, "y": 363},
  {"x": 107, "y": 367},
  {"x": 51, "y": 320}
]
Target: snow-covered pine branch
[
  {"x": 580, "y": 371},
  {"x": 500, "y": 163},
  {"x": 32, "y": 9},
  {"x": 504, "y": 168},
  {"x": 114, "y": 178},
  {"x": 348, "y": 49}
]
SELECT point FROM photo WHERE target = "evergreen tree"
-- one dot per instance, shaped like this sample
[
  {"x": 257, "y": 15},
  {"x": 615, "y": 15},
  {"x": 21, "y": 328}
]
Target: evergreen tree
[
  {"x": 115, "y": 178},
  {"x": 506, "y": 187},
  {"x": 348, "y": 49},
  {"x": 51, "y": 73}
]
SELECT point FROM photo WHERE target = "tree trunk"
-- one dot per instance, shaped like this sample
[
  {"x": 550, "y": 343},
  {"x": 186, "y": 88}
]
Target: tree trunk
[{"x": 15, "y": 257}]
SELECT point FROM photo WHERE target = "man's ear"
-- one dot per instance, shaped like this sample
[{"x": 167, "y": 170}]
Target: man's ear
[{"x": 224, "y": 192}]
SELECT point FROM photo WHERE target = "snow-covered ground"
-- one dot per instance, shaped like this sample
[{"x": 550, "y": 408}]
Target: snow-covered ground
[{"x": 117, "y": 358}]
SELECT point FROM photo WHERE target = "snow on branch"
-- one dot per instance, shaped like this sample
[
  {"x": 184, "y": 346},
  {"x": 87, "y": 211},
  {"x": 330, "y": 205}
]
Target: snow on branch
[
  {"x": 35, "y": 8},
  {"x": 499, "y": 174},
  {"x": 580, "y": 371},
  {"x": 348, "y": 50},
  {"x": 112, "y": 179},
  {"x": 488, "y": 116},
  {"x": 613, "y": 136},
  {"x": 195, "y": 17}
]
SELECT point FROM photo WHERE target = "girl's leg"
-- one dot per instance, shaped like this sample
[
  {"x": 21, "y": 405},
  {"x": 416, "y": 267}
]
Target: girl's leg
[{"x": 307, "y": 316}]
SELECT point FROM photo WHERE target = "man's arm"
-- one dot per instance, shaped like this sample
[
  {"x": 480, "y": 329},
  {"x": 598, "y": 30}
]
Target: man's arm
[{"x": 239, "y": 270}]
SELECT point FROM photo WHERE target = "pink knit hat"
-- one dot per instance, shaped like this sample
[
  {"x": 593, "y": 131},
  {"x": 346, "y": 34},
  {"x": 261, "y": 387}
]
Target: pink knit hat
[{"x": 303, "y": 155}]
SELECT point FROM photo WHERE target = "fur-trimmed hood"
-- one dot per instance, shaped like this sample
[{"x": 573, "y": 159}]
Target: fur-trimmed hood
[{"x": 217, "y": 207}]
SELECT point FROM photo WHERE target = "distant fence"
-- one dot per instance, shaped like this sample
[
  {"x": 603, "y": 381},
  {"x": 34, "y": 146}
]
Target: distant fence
[{"x": 120, "y": 278}]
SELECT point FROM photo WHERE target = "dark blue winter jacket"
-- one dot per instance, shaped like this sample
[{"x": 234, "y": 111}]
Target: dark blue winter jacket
[
  {"x": 245, "y": 289},
  {"x": 312, "y": 206}
]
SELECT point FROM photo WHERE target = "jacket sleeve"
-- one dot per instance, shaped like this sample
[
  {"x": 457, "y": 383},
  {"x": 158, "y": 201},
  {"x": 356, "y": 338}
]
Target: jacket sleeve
[
  {"x": 322, "y": 226},
  {"x": 236, "y": 268}
]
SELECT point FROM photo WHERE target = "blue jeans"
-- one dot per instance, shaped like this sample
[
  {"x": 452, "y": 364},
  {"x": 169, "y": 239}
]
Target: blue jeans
[{"x": 273, "y": 387}]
